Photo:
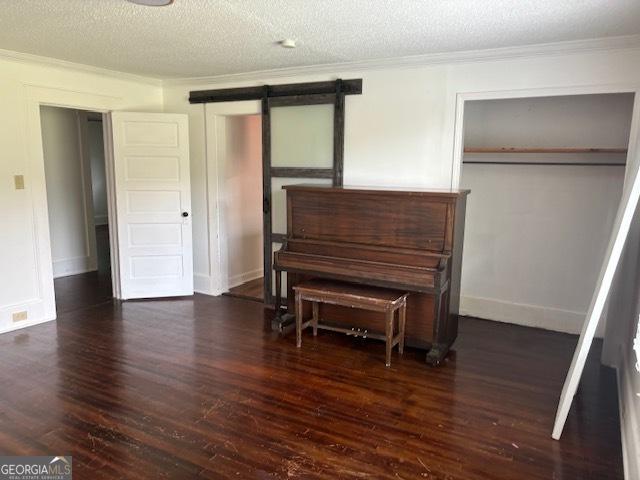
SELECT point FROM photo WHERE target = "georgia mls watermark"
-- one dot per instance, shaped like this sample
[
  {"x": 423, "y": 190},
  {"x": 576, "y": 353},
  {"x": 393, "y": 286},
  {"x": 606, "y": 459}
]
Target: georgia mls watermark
[{"x": 35, "y": 468}]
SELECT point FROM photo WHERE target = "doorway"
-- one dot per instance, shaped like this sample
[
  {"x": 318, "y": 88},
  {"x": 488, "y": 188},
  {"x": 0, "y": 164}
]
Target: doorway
[
  {"x": 302, "y": 141},
  {"x": 75, "y": 176},
  {"x": 242, "y": 179},
  {"x": 100, "y": 201},
  {"x": 167, "y": 169},
  {"x": 250, "y": 219}
]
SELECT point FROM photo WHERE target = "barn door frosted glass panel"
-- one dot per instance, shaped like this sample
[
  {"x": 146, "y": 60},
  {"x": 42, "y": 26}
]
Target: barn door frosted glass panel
[
  {"x": 302, "y": 136},
  {"x": 301, "y": 139}
]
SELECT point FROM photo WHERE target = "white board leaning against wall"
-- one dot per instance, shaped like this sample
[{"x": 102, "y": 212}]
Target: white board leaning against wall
[{"x": 622, "y": 225}]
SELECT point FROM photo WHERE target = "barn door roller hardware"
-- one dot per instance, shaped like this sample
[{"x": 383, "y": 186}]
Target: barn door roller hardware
[{"x": 342, "y": 87}]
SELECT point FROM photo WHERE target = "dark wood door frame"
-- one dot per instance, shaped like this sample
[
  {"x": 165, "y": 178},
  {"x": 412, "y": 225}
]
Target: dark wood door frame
[
  {"x": 288, "y": 95},
  {"x": 334, "y": 172}
]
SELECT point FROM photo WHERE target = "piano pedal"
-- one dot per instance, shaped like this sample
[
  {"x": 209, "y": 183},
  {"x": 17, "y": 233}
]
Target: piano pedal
[{"x": 358, "y": 332}]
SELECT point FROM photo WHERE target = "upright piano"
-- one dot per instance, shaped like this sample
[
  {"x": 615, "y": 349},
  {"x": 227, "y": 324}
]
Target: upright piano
[{"x": 407, "y": 240}]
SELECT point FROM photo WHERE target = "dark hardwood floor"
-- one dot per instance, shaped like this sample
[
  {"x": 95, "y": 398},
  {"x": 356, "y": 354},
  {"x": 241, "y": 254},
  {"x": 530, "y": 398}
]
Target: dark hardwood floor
[
  {"x": 251, "y": 290},
  {"x": 103, "y": 249},
  {"x": 201, "y": 388},
  {"x": 87, "y": 289}
]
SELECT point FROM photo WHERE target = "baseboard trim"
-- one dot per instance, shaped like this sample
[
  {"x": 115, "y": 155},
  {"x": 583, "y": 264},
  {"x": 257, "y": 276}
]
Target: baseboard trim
[
  {"x": 547, "y": 318},
  {"x": 236, "y": 280},
  {"x": 25, "y": 324},
  {"x": 204, "y": 284},
  {"x": 73, "y": 266},
  {"x": 35, "y": 310},
  {"x": 629, "y": 404}
]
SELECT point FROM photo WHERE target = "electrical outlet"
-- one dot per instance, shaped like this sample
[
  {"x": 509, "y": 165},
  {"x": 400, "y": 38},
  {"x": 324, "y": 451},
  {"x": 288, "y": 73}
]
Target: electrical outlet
[
  {"x": 19, "y": 316},
  {"x": 19, "y": 181}
]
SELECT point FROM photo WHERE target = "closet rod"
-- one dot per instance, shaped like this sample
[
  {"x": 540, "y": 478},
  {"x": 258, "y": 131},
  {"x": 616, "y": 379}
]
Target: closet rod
[
  {"x": 549, "y": 163},
  {"x": 542, "y": 150}
]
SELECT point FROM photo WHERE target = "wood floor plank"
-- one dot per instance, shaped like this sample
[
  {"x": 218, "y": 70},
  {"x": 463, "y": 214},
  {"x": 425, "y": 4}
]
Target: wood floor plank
[
  {"x": 200, "y": 388},
  {"x": 251, "y": 290}
]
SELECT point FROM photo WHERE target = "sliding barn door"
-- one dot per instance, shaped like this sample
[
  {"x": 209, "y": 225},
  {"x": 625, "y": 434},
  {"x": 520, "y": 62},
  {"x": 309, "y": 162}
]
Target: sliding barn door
[
  {"x": 303, "y": 143},
  {"x": 153, "y": 204}
]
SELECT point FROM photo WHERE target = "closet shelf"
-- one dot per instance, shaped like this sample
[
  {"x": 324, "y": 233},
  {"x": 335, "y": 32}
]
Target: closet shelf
[{"x": 541, "y": 150}]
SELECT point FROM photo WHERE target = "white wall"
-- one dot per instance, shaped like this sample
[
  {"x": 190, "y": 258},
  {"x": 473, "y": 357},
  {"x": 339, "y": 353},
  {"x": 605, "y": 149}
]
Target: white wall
[
  {"x": 243, "y": 199},
  {"x": 98, "y": 178},
  {"x": 400, "y": 131},
  {"x": 564, "y": 121},
  {"x": 536, "y": 236},
  {"x": 23, "y": 212},
  {"x": 69, "y": 229}
]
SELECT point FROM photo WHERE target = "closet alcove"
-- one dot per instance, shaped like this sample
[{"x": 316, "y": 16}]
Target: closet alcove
[{"x": 546, "y": 176}]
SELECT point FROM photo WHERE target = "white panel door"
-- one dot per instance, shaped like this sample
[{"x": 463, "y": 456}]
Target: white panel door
[{"x": 153, "y": 203}]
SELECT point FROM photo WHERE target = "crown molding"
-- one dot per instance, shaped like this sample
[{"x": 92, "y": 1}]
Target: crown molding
[
  {"x": 414, "y": 61},
  {"x": 79, "y": 67}
]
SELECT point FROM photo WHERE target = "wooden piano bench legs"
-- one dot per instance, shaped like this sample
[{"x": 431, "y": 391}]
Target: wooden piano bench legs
[
  {"x": 390, "y": 340},
  {"x": 389, "y": 302},
  {"x": 300, "y": 325}
]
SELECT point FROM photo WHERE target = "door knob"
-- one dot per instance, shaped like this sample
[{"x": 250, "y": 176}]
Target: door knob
[{"x": 185, "y": 214}]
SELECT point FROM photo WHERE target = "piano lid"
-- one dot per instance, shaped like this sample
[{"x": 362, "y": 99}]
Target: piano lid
[
  {"x": 446, "y": 192},
  {"x": 391, "y": 218}
]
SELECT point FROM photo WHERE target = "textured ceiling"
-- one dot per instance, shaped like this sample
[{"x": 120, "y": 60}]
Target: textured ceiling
[{"x": 214, "y": 37}]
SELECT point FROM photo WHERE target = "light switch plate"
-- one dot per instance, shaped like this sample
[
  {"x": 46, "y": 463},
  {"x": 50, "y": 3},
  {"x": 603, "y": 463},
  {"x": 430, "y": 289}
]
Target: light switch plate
[
  {"x": 19, "y": 181},
  {"x": 19, "y": 316}
]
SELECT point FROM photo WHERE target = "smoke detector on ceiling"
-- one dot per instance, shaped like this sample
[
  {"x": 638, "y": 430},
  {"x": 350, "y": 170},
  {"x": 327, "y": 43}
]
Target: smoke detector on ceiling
[
  {"x": 152, "y": 3},
  {"x": 288, "y": 43}
]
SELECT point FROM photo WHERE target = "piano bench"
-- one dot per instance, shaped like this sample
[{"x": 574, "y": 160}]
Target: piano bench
[{"x": 355, "y": 296}]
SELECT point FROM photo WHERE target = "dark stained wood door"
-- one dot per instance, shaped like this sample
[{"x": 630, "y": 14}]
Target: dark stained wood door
[{"x": 303, "y": 142}]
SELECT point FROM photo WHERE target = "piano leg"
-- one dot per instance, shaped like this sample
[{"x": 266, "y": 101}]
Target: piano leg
[
  {"x": 282, "y": 322},
  {"x": 437, "y": 353},
  {"x": 402, "y": 320},
  {"x": 439, "y": 345},
  {"x": 278, "y": 298}
]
